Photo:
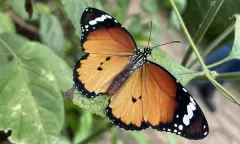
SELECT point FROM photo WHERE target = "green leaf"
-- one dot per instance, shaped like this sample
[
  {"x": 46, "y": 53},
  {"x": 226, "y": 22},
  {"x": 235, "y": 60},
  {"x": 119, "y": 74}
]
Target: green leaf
[
  {"x": 122, "y": 10},
  {"x": 51, "y": 33},
  {"x": 174, "y": 21},
  {"x": 96, "y": 105},
  {"x": 181, "y": 4},
  {"x": 63, "y": 140},
  {"x": 114, "y": 136},
  {"x": 75, "y": 8},
  {"x": 85, "y": 127},
  {"x": 183, "y": 74},
  {"x": 235, "y": 53},
  {"x": 139, "y": 136},
  {"x": 6, "y": 23},
  {"x": 28, "y": 90},
  {"x": 172, "y": 138},
  {"x": 39, "y": 9},
  {"x": 19, "y": 7},
  {"x": 31, "y": 102},
  {"x": 3, "y": 4},
  {"x": 149, "y": 6},
  {"x": 156, "y": 31},
  {"x": 58, "y": 66}
]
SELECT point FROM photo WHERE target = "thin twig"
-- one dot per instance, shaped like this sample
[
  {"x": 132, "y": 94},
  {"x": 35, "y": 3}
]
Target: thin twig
[
  {"x": 215, "y": 6},
  {"x": 223, "y": 90},
  {"x": 21, "y": 22},
  {"x": 221, "y": 76},
  {"x": 8, "y": 48},
  {"x": 194, "y": 48},
  {"x": 213, "y": 46}
]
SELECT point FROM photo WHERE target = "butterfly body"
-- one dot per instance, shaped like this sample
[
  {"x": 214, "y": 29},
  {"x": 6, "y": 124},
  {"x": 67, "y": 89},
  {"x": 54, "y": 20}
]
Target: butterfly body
[
  {"x": 142, "y": 93},
  {"x": 136, "y": 61}
]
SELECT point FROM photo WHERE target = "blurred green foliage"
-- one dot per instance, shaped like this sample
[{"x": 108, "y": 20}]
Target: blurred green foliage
[
  {"x": 196, "y": 10},
  {"x": 36, "y": 59}
]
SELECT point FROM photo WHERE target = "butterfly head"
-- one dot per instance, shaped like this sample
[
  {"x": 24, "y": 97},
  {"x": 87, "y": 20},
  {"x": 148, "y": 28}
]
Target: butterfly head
[{"x": 147, "y": 51}]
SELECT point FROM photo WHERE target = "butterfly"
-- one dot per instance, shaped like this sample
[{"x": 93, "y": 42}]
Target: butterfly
[{"x": 142, "y": 93}]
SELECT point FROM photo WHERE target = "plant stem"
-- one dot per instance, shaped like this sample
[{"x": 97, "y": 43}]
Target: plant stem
[
  {"x": 8, "y": 48},
  {"x": 222, "y": 89},
  {"x": 221, "y": 76},
  {"x": 215, "y": 6},
  {"x": 214, "y": 44},
  {"x": 219, "y": 62},
  {"x": 188, "y": 35},
  {"x": 97, "y": 134}
]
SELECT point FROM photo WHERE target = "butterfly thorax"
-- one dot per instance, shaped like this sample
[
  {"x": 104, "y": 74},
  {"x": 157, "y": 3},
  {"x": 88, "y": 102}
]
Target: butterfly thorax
[{"x": 136, "y": 61}]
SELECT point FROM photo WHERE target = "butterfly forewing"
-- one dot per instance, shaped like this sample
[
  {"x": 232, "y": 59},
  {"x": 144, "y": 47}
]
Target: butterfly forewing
[
  {"x": 102, "y": 34},
  {"x": 107, "y": 45}
]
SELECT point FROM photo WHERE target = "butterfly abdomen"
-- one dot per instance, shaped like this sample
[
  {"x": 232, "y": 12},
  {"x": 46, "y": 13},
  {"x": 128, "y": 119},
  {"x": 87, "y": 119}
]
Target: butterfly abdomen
[{"x": 119, "y": 80}]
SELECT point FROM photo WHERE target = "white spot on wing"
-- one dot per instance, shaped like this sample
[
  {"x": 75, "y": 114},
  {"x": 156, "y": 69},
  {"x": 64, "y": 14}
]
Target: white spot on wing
[
  {"x": 92, "y": 22},
  {"x": 190, "y": 111},
  {"x": 191, "y": 99},
  {"x": 184, "y": 89},
  {"x": 86, "y": 26},
  {"x": 192, "y": 106},
  {"x": 175, "y": 131},
  {"x": 108, "y": 16},
  {"x": 175, "y": 125},
  {"x": 205, "y": 133},
  {"x": 180, "y": 127},
  {"x": 186, "y": 120},
  {"x": 169, "y": 129}
]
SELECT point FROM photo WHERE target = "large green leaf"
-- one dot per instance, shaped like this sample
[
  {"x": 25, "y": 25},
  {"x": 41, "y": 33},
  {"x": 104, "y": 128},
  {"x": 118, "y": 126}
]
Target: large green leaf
[
  {"x": 51, "y": 33},
  {"x": 75, "y": 8},
  {"x": 235, "y": 53},
  {"x": 59, "y": 67},
  {"x": 31, "y": 102},
  {"x": 121, "y": 10},
  {"x": 85, "y": 127},
  {"x": 140, "y": 137},
  {"x": 6, "y": 23},
  {"x": 19, "y": 7},
  {"x": 149, "y": 6}
]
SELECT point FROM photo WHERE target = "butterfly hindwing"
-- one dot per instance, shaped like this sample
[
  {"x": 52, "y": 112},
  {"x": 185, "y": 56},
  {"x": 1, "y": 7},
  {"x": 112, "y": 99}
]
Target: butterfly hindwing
[
  {"x": 171, "y": 107},
  {"x": 125, "y": 106},
  {"x": 102, "y": 34},
  {"x": 152, "y": 97}
]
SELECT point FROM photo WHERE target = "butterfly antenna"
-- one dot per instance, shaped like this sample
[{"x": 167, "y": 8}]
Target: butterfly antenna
[
  {"x": 149, "y": 38},
  {"x": 166, "y": 44}
]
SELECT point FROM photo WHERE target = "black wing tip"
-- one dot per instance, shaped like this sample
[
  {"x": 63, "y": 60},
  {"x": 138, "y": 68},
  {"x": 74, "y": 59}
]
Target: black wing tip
[
  {"x": 79, "y": 85},
  {"x": 122, "y": 125},
  {"x": 184, "y": 134}
]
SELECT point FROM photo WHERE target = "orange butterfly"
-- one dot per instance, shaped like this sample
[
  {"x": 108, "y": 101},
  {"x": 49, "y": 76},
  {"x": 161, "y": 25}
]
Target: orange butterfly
[{"x": 143, "y": 94}]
